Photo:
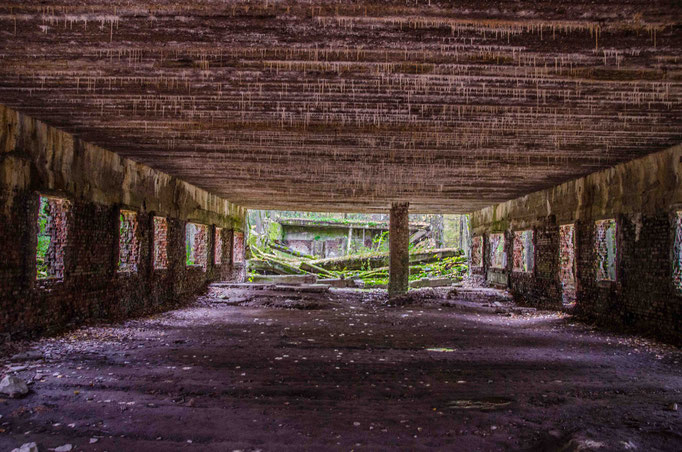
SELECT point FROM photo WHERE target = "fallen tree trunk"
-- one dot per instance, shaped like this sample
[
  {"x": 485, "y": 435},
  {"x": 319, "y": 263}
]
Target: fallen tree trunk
[
  {"x": 279, "y": 267},
  {"x": 266, "y": 265},
  {"x": 287, "y": 250},
  {"x": 375, "y": 260},
  {"x": 311, "y": 268}
]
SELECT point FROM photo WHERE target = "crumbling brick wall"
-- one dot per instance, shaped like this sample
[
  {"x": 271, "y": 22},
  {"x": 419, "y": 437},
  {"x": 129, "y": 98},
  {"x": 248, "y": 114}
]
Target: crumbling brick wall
[
  {"x": 567, "y": 261},
  {"x": 128, "y": 241},
  {"x": 477, "y": 261},
  {"x": 218, "y": 246},
  {"x": 677, "y": 252},
  {"x": 238, "y": 255},
  {"x": 624, "y": 276},
  {"x": 160, "y": 243},
  {"x": 97, "y": 185}
]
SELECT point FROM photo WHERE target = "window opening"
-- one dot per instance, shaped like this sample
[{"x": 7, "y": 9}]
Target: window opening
[
  {"x": 605, "y": 249},
  {"x": 160, "y": 243},
  {"x": 498, "y": 256},
  {"x": 128, "y": 244},
  {"x": 677, "y": 257},
  {"x": 567, "y": 263},
  {"x": 524, "y": 251},
  {"x": 52, "y": 236},
  {"x": 195, "y": 245},
  {"x": 218, "y": 247}
]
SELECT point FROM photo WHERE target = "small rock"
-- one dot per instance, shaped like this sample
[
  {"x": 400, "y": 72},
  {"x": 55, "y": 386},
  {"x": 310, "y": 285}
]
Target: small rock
[
  {"x": 672, "y": 407},
  {"x": 93, "y": 440},
  {"x": 64, "y": 448},
  {"x": 27, "y": 447},
  {"x": 628, "y": 445},
  {"x": 13, "y": 386}
]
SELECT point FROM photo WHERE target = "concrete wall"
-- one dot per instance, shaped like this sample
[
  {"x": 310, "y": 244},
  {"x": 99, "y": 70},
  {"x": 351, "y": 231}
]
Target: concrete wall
[
  {"x": 37, "y": 159},
  {"x": 326, "y": 241},
  {"x": 643, "y": 196}
]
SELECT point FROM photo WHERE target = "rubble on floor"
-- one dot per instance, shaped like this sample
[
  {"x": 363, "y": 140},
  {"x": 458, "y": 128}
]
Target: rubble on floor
[{"x": 276, "y": 367}]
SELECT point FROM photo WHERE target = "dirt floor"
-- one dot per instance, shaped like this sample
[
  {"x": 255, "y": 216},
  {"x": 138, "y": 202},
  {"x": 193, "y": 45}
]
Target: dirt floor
[{"x": 280, "y": 369}]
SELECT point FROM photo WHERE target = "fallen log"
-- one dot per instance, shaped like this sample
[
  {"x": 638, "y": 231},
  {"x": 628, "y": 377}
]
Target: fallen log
[
  {"x": 375, "y": 260},
  {"x": 266, "y": 266},
  {"x": 287, "y": 250},
  {"x": 276, "y": 266},
  {"x": 311, "y": 268}
]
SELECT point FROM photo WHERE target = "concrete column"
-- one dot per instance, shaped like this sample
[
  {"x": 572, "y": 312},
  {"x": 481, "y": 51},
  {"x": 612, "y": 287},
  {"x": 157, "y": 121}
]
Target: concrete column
[{"x": 399, "y": 240}]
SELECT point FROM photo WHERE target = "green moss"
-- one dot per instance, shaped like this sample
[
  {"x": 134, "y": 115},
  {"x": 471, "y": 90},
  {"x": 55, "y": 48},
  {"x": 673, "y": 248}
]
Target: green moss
[{"x": 275, "y": 231}]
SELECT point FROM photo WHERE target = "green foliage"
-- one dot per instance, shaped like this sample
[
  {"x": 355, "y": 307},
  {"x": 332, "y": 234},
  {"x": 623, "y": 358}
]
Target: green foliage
[
  {"x": 274, "y": 231},
  {"x": 44, "y": 239},
  {"x": 454, "y": 267},
  {"x": 189, "y": 245},
  {"x": 380, "y": 241}
]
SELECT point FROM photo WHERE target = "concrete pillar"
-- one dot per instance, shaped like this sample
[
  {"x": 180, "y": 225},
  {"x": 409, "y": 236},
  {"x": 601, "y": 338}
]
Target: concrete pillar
[{"x": 399, "y": 240}]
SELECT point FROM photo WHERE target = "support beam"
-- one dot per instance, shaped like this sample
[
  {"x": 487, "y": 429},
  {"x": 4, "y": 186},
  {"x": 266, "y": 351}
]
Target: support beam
[{"x": 399, "y": 239}]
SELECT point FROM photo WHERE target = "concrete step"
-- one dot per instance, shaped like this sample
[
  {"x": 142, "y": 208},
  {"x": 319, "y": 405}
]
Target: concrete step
[{"x": 283, "y": 279}]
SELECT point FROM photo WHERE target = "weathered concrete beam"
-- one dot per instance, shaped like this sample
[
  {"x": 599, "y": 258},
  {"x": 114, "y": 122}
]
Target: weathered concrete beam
[
  {"x": 399, "y": 240},
  {"x": 455, "y": 106},
  {"x": 35, "y": 156}
]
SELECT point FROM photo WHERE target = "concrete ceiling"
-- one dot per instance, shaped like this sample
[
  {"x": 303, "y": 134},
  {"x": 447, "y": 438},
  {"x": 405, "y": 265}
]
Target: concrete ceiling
[{"x": 348, "y": 105}]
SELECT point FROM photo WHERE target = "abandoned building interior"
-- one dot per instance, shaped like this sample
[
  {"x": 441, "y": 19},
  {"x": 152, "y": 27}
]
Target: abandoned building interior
[{"x": 135, "y": 136}]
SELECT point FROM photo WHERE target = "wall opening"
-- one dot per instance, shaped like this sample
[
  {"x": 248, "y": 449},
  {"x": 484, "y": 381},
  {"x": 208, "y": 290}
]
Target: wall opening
[
  {"x": 477, "y": 252},
  {"x": 524, "y": 251},
  {"x": 238, "y": 248},
  {"x": 605, "y": 249},
  {"x": 498, "y": 255},
  {"x": 160, "y": 243},
  {"x": 677, "y": 256},
  {"x": 128, "y": 243},
  {"x": 218, "y": 246},
  {"x": 567, "y": 262},
  {"x": 196, "y": 249},
  {"x": 52, "y": 236}
]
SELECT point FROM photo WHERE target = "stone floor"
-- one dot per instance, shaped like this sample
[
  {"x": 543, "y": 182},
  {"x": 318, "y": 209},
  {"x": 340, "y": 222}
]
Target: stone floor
[{"x": 280, "y": 369}]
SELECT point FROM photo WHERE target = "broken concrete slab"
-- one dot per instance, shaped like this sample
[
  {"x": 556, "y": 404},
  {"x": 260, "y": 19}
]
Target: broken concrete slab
[
  {"x": 309, "y": 288},
  {"x": 247, "y": 286},
  {"x": 339, "y": 283},
  {"x": 431, "y": 282},
  {"x": 284, "y": 279}
]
